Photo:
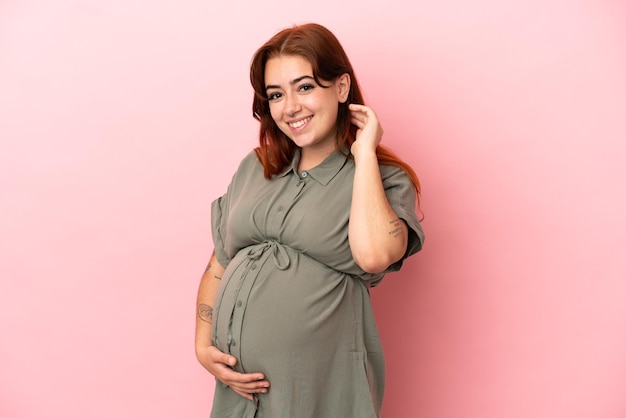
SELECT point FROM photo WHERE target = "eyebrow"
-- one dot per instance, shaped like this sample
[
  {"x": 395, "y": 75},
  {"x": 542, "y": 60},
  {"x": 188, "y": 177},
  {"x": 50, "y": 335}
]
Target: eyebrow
[{"x": 294, "y": 81}]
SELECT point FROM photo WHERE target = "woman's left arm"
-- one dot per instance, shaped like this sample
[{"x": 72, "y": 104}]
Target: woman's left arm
[{"x": 378, "y": 238}]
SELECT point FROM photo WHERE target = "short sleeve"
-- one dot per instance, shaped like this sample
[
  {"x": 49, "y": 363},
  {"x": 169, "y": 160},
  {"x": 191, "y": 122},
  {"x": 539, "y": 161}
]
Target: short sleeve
[
  {"x": 221, "y": 208},
  {"x": 219, "y": 217},
  {"x": 401, "y": 196}
]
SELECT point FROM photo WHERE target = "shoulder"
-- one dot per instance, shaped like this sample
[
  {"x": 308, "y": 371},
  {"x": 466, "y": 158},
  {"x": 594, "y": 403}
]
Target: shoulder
[
  {"x": 250, "y": 161},
  {"x": 248, "y": 165},
  {"x": 248, "y": 169}
]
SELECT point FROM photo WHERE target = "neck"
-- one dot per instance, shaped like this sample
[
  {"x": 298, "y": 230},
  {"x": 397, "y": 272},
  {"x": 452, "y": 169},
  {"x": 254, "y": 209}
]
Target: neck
[{"x": 310, "y": 158}]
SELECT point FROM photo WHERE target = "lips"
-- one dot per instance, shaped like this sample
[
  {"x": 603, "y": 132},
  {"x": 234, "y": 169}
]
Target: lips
[{"x": 300, "y": 123}]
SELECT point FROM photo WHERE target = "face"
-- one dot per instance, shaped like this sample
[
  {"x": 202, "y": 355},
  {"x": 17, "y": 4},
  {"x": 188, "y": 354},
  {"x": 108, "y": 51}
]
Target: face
[{"x": 302, "y": 109}]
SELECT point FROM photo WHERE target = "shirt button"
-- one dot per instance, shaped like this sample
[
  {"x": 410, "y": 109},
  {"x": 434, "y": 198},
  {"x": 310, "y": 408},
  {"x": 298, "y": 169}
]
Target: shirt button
[
  {"x": 233, "y": 343},
  {"x": 304, "y": 174},
  {"x": 254, "y": 267},
  {"x": 239, "y": 303},
  {"x": 280, "y": 208}
]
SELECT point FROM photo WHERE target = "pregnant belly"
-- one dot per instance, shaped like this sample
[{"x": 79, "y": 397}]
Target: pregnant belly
[{"x": 276, "y": 304}]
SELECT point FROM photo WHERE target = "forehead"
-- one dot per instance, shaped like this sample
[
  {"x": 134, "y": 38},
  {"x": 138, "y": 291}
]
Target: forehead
[{"x": 283, "y": 69}]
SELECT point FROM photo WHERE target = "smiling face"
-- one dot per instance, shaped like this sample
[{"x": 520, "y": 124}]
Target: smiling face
[{"x": 301, "y": 108}]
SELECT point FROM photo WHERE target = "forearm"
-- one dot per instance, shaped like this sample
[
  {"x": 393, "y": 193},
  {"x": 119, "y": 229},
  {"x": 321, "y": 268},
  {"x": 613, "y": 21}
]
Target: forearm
[
  {"x": 378, "y": 238},
  {"x": 207, "y": 292}
]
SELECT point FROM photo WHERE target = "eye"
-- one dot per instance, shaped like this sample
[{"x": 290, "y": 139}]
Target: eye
[
  {"x": 306, "y": 87},
  {"x": 274, "y": 96}
]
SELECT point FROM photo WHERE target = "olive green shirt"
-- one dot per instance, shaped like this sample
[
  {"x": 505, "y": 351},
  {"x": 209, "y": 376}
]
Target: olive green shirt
[{"x": 293, "y": 304}]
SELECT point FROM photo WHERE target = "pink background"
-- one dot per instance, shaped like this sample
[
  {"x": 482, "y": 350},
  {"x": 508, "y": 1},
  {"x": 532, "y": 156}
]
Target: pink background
[{"x": 120, "y": 121}]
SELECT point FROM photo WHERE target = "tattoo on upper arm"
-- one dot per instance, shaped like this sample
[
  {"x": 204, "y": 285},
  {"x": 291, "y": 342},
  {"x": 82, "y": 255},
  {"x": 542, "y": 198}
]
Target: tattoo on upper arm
[
  {"x": 205, "y": 312},
  {"x": 208, "y": 268},
  {"x": 396, "y": 227}
]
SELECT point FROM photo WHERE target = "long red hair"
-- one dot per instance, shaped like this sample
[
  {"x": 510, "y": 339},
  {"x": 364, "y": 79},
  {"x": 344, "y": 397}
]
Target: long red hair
[{"x": 328, "y": 60}]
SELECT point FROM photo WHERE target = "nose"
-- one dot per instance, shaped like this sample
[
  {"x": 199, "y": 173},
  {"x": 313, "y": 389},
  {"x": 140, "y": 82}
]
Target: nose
[{"x": 292, "y": 105}]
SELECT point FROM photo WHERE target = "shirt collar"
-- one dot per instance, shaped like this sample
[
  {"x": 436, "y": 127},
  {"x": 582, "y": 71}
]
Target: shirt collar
[
  {"x": 322, "y": 173},
  {"x": 293, "y": 166}
]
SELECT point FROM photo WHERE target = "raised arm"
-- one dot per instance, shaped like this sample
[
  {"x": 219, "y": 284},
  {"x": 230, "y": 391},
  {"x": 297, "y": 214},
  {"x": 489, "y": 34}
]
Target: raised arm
[
  {"x": 378, "y": 238},
  {"x": 216, "y": 362}
]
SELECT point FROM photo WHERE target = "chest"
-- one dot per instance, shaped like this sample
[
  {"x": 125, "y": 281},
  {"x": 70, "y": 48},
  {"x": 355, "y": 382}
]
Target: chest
[{"x": 294, "y": 210}]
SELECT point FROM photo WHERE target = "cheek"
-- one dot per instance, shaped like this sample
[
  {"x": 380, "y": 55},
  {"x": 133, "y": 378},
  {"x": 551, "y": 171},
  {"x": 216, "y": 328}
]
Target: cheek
[
  {"x": 276, "y": 115},
  {"x": 275, "y": 112}
]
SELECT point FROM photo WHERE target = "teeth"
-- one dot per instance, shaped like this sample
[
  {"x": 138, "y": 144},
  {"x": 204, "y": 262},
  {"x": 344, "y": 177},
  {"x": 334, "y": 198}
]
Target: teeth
[{"x": 299, "y": 124}]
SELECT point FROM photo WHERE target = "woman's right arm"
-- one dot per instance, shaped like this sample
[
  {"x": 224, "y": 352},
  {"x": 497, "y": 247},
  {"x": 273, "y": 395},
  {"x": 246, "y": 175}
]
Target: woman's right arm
[{"x": 217, "y": 363}]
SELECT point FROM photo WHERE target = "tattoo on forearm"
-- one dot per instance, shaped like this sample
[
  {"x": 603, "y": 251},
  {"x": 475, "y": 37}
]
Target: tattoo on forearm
[
  {"x": 396, "y": 228},
  {"x": 205, "y": 312},
  {"x": 217, "y": 277}
]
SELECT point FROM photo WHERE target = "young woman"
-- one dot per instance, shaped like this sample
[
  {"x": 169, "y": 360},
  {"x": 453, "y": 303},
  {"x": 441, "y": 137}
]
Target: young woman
[{"x": 312, "y": 219}]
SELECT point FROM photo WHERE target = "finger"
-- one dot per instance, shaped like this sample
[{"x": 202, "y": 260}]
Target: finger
[
  {"x": 221, "y": 357},
  {"x": 358, "y": 121},
  {"x": 361, "y": 109},
  {"x": 359, "y": 112},
  {"x": 251, "y": 388},
  {"x": 248, "y": 392},
  {"x": 357, "y": 107},
  {"x": 260, "y": 386},
  {"x": 228, "y": 359},
  {"x": 365, "y": 114},
  {"x": 357, "y": 115},
  {"x": 363, "y": 119},
  {"x": 248, "y": 396},
  {"x": 234, "y": 376},
  {"x": 254, "y": 387}
]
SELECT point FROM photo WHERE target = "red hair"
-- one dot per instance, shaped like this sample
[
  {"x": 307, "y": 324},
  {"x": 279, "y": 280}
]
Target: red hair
[{"x": 328, "y": 60}]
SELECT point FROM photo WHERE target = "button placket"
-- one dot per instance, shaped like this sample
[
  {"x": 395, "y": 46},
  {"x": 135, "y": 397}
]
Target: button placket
[
  {"x": 300, "y": 183},
  {"x": 239, "y": 307},
  {"x": 224, "y": 308}
]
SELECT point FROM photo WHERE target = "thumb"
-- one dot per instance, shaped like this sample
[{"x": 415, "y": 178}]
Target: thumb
[{"x": 230, "y": 360}]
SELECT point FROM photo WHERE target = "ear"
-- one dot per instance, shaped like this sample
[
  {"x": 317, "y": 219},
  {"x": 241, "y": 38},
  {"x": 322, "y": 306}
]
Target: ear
[{"x": 343, "y": 87}]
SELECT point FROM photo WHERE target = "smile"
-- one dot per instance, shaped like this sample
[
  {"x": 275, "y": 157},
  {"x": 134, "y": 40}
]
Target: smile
[{"x": 299, "y": 124}]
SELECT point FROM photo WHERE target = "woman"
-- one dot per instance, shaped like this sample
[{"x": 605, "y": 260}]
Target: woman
[{"x": 311, "y": 220}]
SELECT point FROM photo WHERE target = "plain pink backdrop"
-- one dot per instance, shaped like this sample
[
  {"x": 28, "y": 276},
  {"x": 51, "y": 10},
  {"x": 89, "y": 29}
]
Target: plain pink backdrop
[{"x": 121, "y": 121}]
